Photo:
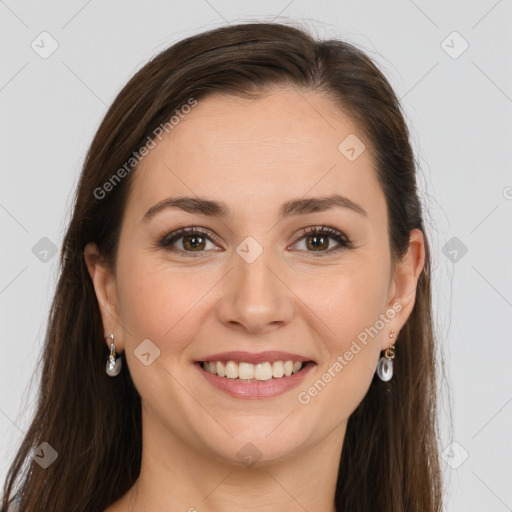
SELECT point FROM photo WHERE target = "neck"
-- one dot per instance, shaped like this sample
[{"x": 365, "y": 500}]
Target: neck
[{"x": 177, "y": 477}]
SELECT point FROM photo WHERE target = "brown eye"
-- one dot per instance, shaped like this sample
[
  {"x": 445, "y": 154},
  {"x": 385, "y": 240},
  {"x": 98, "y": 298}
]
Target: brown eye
[
  {"x": 193, "y": 241},
  {"x": 318, "y": 240}
]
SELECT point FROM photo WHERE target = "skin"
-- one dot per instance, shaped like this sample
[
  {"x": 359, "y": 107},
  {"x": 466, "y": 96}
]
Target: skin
[{"x": 253, "y": 155}]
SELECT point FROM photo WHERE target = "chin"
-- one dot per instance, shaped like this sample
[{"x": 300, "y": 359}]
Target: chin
[{"x": 258, "y": 441}]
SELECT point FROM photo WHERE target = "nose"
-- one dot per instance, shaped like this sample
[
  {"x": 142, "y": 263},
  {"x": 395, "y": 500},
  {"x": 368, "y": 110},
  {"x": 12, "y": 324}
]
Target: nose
[{"x": 255, "y": 297}]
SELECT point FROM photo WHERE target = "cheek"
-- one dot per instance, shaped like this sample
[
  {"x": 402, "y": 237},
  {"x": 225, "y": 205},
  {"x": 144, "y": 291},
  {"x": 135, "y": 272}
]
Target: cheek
[
  {"x": 347, "y": 298},
  {"x": 158, "y": 300},
  {"x": 161, "y": 305},
  {"x": 349, "y": 304}
]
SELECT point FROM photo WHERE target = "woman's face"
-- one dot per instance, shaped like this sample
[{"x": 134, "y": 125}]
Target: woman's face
[{"x": 252, "y": 281}]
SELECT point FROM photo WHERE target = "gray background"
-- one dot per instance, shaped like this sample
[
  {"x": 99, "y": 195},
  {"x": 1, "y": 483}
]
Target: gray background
[{"x": 458, "y": 105}]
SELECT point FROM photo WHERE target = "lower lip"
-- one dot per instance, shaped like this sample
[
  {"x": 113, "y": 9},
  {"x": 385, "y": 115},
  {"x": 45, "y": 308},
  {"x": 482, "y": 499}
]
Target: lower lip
[{"x": 256, "y": 390}]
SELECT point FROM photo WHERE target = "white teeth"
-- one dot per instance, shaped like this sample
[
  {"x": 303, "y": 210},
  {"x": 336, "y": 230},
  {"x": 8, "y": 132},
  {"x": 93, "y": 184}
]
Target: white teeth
[
  {"x": 220, "y": 369},
  {"x": 263, "y": 371},
  {"x": 259, "y": 371},
  {"x": 246, "y": 371},
  {"x": 277, "y": 369},
  {"x": 231, "y": 370}
]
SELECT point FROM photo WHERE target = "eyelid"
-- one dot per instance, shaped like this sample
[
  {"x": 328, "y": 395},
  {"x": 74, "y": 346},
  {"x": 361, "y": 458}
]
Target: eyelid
[
  {"x": 343, "y": 241},
  {"x": 171, "y": 237},
  {"x": 332, "y": 232}
]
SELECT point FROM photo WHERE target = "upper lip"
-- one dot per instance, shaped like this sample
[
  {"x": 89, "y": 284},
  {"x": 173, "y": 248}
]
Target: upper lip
[{"x": 255, "y": 357}]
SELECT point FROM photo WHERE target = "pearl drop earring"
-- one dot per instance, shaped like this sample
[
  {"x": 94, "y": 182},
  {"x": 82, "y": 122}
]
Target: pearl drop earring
[
  {"x": 385, "y": 364},
  {"x": 114, "y": 364}
]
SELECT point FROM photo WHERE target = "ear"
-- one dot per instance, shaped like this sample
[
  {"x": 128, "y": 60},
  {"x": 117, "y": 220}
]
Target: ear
[
  {"x": 104, "y": 283},
  {"x": 405, "y": 280}
]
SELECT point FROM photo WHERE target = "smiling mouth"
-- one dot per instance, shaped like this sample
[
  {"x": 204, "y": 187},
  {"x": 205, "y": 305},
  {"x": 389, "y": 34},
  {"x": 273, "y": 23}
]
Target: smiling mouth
[{"x": 249, "y": 372}]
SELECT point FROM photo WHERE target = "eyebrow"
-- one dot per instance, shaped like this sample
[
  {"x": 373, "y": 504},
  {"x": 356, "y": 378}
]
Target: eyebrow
[{"x": 302, "y": 206}]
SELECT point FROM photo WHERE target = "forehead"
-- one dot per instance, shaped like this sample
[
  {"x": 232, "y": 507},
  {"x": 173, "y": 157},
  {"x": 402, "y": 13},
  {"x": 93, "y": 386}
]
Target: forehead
[{"x": 257, "y": 153}]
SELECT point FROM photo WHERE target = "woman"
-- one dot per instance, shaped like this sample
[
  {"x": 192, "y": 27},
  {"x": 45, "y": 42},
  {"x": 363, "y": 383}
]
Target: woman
[{"x": 247, "y": 256}]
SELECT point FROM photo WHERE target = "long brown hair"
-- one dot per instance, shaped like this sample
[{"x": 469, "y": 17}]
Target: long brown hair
[{"x": 390, "y": 457}]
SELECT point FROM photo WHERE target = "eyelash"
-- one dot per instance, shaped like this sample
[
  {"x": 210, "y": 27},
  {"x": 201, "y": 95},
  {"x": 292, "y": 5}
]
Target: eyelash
[{"x": 336, "y": 235}]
